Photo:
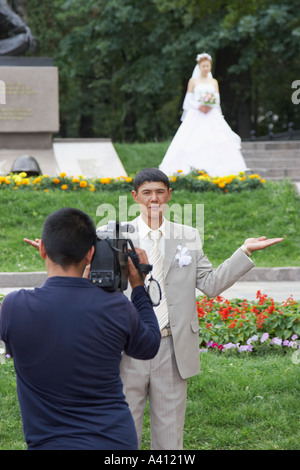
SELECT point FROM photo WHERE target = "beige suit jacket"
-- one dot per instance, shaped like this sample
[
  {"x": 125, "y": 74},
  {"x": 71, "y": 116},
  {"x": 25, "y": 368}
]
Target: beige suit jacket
[{"x": 180, "y": 285}]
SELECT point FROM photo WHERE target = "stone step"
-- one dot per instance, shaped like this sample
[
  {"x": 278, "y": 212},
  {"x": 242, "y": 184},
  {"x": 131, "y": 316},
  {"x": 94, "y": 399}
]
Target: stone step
[
  {"x": 273, "y": 160},
  {"x": 266, "y": 163},
  {"x": 268, "y": 155},
  {"x": 272, "y": 145},
  {"x": 277, "y": 173}
]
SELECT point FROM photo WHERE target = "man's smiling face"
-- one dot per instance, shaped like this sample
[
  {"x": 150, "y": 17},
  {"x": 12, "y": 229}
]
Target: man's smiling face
[{"x": 153, "y": 198}]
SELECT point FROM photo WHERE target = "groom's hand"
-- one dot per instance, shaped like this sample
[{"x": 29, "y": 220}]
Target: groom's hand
[
  {"x": 254, "y": 244},
  {"x": 35, "y": 243}
]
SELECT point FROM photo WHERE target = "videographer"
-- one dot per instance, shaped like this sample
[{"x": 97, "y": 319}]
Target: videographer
[{"x": 67, "y": 339}]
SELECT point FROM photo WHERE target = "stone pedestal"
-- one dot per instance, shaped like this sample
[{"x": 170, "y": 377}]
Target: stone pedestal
[{"x": 30, "y": 114}]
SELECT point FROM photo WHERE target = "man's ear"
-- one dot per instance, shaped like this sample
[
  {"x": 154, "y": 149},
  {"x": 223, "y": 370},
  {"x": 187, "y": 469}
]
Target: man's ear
[
  {"x": 42, "y": 250},
  {"x": 90, "y": 254},
  {"x": 134, "y": 195}
]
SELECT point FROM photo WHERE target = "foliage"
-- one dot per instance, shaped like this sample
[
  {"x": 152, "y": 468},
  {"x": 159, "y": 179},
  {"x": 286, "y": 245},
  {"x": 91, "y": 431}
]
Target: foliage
[
  {"x": 124, "y": 65},
  {"x": 223, "y": 322}
]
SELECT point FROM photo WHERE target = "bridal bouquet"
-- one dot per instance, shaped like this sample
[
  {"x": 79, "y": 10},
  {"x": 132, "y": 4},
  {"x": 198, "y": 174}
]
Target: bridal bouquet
[{"x": 208, "y": 99}]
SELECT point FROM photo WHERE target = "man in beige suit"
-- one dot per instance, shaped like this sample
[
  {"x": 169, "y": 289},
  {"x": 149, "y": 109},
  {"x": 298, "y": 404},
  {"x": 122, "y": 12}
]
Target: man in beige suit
[{"x": 164, "y": 378}]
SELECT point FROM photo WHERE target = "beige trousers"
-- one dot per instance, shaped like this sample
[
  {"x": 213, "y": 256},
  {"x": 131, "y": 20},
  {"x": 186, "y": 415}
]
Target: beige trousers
[{"x": 159, "y": 379}]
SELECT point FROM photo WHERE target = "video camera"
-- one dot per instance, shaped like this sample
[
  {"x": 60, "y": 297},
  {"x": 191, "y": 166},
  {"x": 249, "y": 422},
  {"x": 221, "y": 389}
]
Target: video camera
[{"x": 109, "y": 266}]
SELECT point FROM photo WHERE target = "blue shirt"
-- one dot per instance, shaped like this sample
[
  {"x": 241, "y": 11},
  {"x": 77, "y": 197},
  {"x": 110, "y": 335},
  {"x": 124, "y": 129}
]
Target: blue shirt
[{"x": 67, "y": 339}]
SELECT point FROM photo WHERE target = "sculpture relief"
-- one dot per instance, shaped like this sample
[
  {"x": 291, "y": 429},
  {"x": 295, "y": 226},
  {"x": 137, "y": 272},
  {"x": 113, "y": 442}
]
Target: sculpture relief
[{"x": 15, "y": 36}]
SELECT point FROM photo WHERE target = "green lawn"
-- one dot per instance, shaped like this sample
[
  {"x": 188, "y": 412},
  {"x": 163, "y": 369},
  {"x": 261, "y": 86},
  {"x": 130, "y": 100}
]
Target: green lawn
[
  {"x": 228, "y": 220},
  {"x": 236, "y": 403}
]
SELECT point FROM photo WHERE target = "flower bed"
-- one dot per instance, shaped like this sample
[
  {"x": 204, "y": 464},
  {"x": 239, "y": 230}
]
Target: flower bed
[
  {"x": 253, "y": 326},
  {"x": 242, "y": 326},
  {"x": 199, "y": 180},
  {"x": 64, "y": 183},
  {"x": 195, "y": 181}
]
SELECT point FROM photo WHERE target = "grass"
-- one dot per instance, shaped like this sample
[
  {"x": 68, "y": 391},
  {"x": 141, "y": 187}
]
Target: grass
[
  {"x": 228, "y": 220},
  {"x": 236, "y": 403},
  {"x": 137, "y": 156}
]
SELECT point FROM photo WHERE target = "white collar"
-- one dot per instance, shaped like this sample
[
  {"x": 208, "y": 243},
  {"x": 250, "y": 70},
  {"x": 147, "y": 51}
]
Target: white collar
[{"x": 144, "y": 229}]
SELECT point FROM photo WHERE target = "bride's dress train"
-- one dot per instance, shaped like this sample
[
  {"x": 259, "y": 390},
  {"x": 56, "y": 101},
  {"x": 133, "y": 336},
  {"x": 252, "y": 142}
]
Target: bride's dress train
[{"x": 204, "y": 142}]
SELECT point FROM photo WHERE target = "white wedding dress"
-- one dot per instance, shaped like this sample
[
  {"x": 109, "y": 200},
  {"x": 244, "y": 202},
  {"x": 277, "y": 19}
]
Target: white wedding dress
[{"x": 204, "y": 142}]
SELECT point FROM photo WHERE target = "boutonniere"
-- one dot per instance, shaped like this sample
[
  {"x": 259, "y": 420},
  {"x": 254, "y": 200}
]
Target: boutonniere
[{"x": 183, "y": 256}]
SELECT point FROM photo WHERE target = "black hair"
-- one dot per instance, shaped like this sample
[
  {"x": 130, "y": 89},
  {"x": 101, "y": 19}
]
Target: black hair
[
  {"x": 150, "y": 175},
  {"x": 68, "y": 234}
]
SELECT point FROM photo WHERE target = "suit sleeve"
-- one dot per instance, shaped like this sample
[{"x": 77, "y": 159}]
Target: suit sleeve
[
  {"x": 144, "y": 338},
  {"x": 213, "y": 282}
]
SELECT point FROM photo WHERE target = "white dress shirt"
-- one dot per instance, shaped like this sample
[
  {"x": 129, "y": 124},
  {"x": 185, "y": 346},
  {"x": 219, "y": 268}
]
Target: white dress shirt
[{"x": 145, "y": 241}]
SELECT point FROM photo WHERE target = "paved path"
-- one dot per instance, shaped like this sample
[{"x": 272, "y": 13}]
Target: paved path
[{"x": 279, "y": 291}]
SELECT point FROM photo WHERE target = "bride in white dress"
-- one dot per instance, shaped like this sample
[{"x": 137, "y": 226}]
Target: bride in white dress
[{"x": 204, "y": 140}]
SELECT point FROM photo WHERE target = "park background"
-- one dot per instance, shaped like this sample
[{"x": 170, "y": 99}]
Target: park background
[
  {"x": 124, "y": 64},
  {"x": 124, "y": 67}
]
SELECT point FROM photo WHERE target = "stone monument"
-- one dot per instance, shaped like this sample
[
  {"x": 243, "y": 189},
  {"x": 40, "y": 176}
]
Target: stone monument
[
  {"x": 30, "y": 114},
  {"x": 29, "y": 105},
  {"x": 29, "y": 111}
]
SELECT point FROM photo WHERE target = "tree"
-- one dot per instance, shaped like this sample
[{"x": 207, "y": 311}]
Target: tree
[{"x": 124, "y": 65}]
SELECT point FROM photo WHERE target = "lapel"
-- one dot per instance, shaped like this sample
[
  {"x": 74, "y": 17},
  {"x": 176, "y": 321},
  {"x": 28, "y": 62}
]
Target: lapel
[{"x": 172, "y": 241}]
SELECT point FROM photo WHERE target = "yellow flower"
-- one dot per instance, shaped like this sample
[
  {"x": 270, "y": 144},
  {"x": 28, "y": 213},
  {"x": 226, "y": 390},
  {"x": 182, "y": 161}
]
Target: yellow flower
[
  {"x": 128, "y": 179},
  {"x": 83, "y": 184},
  {"x": 75, "y": 180},
  {"x": 104, "y": 180},
  {"x": 23, "y": 174},
  {"x": 63, "y": 174},
  {"x": 173, "y": 179},
  {"x": 263, "y": 181},
  {"x": 203, "y": 178},
  {"x": 254, "y": 176},
  {"x": 56, "y": 180},
  {"x": 179, "y": 171},
  {"x": 64, "y": 187},
  {"x": 222, "y": 184}
]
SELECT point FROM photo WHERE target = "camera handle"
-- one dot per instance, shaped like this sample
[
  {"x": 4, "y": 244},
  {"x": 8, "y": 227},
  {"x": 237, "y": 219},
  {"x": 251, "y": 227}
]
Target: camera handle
[{"x": 142, "y": 268}]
